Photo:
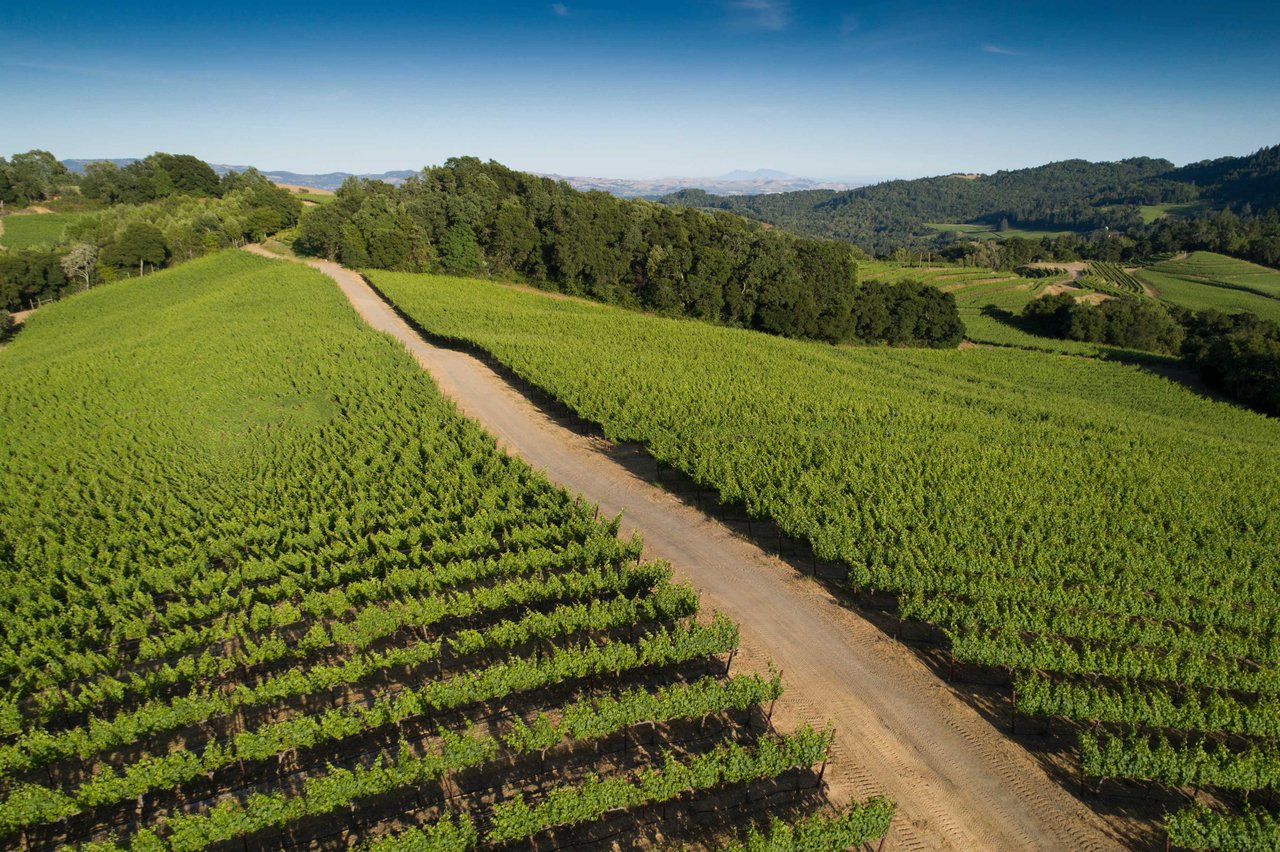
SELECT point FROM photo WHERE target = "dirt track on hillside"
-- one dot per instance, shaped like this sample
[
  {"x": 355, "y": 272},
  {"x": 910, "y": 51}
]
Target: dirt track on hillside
[{"x": 901, "y": 731}]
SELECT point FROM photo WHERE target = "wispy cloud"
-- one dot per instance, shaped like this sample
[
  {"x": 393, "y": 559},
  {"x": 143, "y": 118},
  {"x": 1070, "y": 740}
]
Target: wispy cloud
[
  {"x": 1000, "y": 51},
  {"x": 560, "y": 10},
  {"x": 771, "y": 15},
  {"x": 82, "y": 70}
]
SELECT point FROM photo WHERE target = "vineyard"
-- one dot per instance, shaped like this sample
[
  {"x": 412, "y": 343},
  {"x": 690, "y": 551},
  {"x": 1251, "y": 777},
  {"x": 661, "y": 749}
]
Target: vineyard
[
  {"x": 988, "y": 301},
  {"x": 27, "y": 230},
  {"x": 267, "y": 589},
  {"x": 1204, "y": 280},
  {"x": 1097, "y": 539},
  {"x": 1113, "y": 279}
]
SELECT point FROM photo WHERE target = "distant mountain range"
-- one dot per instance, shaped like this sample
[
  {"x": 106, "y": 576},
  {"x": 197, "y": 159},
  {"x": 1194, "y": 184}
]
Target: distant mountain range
[{"x": 739, "y": 182}]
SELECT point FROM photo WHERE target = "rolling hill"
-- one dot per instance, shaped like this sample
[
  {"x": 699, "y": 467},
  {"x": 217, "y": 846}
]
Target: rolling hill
[{"x": 1072, "y": 195}]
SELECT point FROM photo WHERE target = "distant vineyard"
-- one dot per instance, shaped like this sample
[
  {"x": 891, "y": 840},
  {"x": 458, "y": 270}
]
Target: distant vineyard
[
  {"x": 265, "y": 588},
  {"x": 1100, "y": 537},
  {"x": 1204, "y": 280},
  {"x": 982, "y": 296}
]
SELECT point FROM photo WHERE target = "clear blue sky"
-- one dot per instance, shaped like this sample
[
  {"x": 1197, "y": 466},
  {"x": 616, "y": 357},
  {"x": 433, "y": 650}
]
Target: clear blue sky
[{"x": 643, "y": 89}]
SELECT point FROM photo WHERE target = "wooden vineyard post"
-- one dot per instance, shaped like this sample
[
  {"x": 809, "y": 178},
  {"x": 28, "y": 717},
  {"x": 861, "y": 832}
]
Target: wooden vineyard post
[
  {"x": 1013, "y": 715},
  {"x": 729, "y": 661}
]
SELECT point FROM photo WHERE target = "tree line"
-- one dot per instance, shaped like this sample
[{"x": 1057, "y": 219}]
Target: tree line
[
  {"x": 1250, "y": 236},
  {"x": 1239, "y": 354},
  {"x": 157, "y": 176},
  {"x": 183, "y": 214},
  {"x": 468, "y": 217}
]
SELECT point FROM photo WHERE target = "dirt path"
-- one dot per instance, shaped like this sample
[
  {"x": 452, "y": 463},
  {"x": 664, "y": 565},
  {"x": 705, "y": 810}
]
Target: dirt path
[{"x": 959, "y": 783}]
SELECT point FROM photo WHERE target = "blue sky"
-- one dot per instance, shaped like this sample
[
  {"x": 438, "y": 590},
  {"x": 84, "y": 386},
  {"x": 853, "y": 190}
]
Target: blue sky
[{"x": 643, "y": 89}]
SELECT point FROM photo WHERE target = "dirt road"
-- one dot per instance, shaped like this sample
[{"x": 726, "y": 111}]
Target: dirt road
[{"x": 959, "y": 783}]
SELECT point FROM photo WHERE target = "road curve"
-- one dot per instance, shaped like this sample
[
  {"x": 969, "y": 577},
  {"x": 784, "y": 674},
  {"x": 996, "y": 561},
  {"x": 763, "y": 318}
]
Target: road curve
[{"x": 958, "y": 782}]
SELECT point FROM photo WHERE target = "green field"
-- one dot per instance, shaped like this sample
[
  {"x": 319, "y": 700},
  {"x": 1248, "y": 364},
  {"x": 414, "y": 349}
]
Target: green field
[
  {"x": 1105, "y": 536},
  {"x": 316, "y": 197},
  {"x": 1205, "y": 280},
  {"x": 987, "y": 300},
  {"x": 986, "y": 232},
  {"x": 1154, "y": 212},
  {"x": 32, "y": 229},
  {"x": 1223, "y": 271},
  {"x": 263, "y": 579}
]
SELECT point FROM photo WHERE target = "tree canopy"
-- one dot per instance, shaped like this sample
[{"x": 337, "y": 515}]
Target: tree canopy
[{"x": 468, "y": 217}]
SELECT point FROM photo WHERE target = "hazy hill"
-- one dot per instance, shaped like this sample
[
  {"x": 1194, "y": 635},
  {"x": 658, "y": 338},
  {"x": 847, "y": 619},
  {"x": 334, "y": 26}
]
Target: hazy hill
[
  {"x": 758, "y": 182},
  {"x": 1072, "y": 195}
]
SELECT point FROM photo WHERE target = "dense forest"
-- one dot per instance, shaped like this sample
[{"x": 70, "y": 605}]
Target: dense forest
[
  {"x": 1096, "y": 201},
  {"x": 473, "y": 218},
  {"x": 146, "y": 216}
]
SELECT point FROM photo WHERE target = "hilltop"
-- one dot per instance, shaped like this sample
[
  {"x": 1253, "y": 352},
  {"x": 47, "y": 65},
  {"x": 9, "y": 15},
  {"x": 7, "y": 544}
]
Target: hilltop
[{"x": 1075, "y": 196}]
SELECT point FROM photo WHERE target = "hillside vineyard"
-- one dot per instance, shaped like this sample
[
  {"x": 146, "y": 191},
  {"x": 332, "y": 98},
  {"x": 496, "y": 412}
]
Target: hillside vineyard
[
  {"x": 1104, "y": 538},
  {"x": 265, "y": 587}
]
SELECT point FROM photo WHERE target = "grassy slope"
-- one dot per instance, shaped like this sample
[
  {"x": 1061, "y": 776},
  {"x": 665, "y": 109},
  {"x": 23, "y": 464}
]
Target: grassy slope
[
  {"x": 986, "y": 232},
  {"x": 1207, "y": 280},
  {"x": 35, "y": 229},
  {"x": 1154, "y": 212},
  {"x": 988, "y": 458},
  {"x": 981, "y": 295}
]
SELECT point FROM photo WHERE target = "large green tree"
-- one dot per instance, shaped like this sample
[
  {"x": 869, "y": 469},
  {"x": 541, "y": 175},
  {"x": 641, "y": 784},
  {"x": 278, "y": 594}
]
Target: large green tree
[
  {"x": 33, "y": 176},
  {"x": 139, "y": 245}
]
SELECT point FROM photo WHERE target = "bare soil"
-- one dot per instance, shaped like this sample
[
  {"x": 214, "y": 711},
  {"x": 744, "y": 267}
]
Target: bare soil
[
  {"x": 304, "y": 190},
  {"x": 1059, "y": 287},
  {"x": 1094, "y": 298},
  {"x": 1076, "y": 266},
  {"x": 959, "y": 782}
]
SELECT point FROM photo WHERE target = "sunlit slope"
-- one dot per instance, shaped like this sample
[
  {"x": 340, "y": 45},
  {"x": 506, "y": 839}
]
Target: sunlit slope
[
  {"x": 1204, "y": 280},
  {"x": 1108, "y": 538},
  {"x": 262, "y": 578}
]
